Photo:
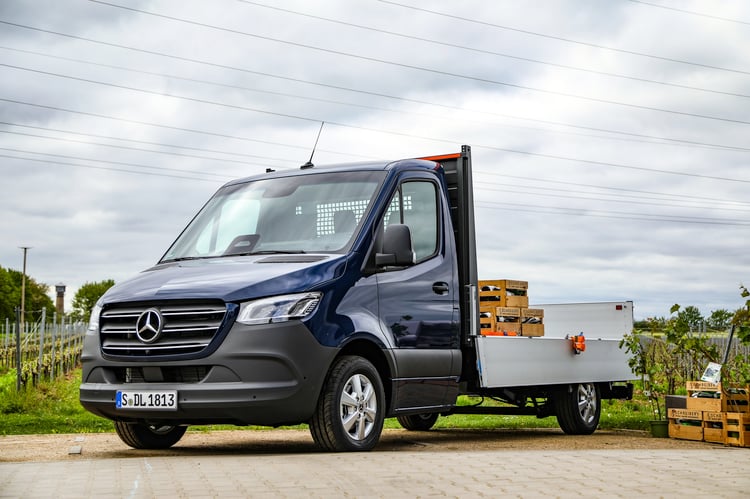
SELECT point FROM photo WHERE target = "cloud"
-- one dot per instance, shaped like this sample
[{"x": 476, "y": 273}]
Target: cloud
[{"x": 601, "y": 174}]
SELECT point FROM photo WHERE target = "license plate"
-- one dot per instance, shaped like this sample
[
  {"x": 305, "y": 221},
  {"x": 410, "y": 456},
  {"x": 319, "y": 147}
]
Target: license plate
[{"x": 159, "y": 400}]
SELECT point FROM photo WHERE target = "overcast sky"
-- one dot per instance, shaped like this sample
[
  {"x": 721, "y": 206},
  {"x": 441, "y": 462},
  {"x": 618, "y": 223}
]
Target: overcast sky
[{"x": 609, "y": 139}]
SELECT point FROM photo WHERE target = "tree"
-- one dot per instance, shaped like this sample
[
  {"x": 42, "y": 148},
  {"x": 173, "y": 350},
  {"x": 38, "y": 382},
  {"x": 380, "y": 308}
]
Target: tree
[
  {"x": 719, "y": 320},
  {"x": 691, "y": 317},
  {"x": 10, "y": 296},
  {"x": 741, "y": 318},
  {"x": 86, "y": 297}
]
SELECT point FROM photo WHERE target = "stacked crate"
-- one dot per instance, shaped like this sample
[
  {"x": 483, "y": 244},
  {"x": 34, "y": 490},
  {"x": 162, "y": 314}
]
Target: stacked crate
[
  {"x": 685, "y": 424},
  {"x": 737, "y": 429},
  {"x": 713, "y": 427},
  {"x": 504, "y": 309},
  {"x": 711, "y": 397},
  {"x": 721, "y": 412}
]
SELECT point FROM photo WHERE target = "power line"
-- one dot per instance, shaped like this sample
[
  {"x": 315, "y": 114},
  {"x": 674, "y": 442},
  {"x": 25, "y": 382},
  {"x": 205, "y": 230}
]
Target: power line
[
  {"x": 161, "y": 144},
  {"x": 345, "y": 125},
  {"x": 121, "y": 163},
  {"x": 115, "y": 146},
  {"x": 493, "y": 205},
  {"x": 166, "y": 127},
  {"x": 681, "y": 196},
  {"x": 122, "y": 170},
  {"x": 648, "y": 217},
  {"x": 692, "y": 13},
  {"x": 619, "y": 189},
  {"x": 514, "y": 189},
  {"x": 490, "y": 52},
  {"x": 361, "y": 106},
  {"x": 562, "y": 39},
  {"x": 423, "y": 69},
  {"x": 374, "y": 94}
]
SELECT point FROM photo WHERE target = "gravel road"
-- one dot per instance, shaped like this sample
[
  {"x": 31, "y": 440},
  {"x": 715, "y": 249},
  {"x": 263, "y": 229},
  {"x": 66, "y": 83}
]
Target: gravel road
[{"x": 24, "y": 448}]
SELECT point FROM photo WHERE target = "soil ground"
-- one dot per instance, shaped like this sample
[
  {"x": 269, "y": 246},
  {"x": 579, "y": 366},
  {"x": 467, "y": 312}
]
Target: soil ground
[{"x": 24, "y": 448}]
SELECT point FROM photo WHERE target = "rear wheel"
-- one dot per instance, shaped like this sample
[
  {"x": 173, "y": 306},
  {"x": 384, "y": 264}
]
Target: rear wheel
[
  {"x": 143, "y": 436},
  {"x": 351, "y": 408},
  {"x": 418, "y": 422},
  {"x": 578, "y": 408}
]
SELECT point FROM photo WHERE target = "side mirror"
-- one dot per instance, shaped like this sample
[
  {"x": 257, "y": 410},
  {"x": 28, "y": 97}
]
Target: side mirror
[{"x": 397, "y": 247}]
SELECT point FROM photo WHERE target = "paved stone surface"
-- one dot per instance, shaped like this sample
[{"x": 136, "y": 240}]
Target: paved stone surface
[{"x": 710, "y": 471}]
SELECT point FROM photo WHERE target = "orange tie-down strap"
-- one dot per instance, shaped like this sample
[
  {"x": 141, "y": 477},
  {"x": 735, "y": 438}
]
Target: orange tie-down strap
[
  {"x": 579, "y": 343},
  {"x": 442, "y": 157},
  {"x": 499, "y": 333}
]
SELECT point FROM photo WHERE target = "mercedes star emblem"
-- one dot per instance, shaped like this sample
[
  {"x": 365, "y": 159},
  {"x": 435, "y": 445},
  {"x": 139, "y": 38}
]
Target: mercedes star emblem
[{"x": 149, "y": 325}]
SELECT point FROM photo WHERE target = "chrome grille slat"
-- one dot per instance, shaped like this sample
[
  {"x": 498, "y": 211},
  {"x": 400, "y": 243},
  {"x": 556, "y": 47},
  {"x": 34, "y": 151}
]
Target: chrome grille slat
[
  {"x": 159, "y": 347},
  {"x": 187, "y": 328}
]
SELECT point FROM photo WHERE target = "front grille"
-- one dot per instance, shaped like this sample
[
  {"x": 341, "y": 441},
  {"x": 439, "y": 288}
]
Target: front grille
[
  {"x": 155, "y": 374},
  {"x": 185, "y": 328}
]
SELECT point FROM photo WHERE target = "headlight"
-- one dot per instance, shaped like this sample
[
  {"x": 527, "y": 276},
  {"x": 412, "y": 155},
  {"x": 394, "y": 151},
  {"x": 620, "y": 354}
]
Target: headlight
[
  {"x": 278, "y": 308},
  {"x": 94, "y": 318}
]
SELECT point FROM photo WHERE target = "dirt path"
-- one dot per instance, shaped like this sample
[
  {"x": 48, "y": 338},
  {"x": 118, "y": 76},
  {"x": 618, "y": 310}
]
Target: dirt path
[{"x": 18, "y": 448}]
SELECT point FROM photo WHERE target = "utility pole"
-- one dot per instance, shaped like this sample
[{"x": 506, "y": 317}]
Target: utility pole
[{"x": 23, "y": 286}]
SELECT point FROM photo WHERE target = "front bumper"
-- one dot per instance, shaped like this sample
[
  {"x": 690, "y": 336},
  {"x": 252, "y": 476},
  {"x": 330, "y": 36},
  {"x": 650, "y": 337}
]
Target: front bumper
[{"x": 266, "y": 375}]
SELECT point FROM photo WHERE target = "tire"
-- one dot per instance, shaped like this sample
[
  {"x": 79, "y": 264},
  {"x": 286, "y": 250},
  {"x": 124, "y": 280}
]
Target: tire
[
  {"x": 351, "y": 407},
  {"x": 578, "y": 408},
  {"x": 418, "y": 422},
  {"x": 143, "y": 436}
]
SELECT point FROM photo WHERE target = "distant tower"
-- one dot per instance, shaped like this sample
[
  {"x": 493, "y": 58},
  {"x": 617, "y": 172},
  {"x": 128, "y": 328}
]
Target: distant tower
[{"x": 60, "y": 302}]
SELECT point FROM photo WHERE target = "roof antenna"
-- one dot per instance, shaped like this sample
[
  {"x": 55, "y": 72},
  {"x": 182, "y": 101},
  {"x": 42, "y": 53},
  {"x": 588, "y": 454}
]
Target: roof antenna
[{"x": 309, "y": 163}]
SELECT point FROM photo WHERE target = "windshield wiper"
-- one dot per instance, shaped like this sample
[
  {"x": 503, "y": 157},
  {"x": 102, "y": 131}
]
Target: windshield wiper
[
  {"x": 266, "y": 252},
  {"x": 185, "y": 258}
]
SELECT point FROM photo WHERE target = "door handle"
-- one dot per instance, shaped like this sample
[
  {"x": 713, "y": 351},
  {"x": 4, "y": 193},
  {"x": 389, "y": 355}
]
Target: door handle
[{"x": 440, "y": 288}]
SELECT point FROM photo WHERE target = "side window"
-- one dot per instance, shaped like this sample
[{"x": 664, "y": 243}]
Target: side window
[
  {"x": 420, "y": 214},
  {"x": 415, "y": 204}
]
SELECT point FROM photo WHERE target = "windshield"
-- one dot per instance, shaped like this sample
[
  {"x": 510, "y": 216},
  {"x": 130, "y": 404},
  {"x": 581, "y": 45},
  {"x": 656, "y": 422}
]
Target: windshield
[{"x": 301, "y": 214}]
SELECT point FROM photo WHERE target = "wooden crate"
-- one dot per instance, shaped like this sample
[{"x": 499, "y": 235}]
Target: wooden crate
[
  {"x": 486, "y": 319},
  {"x": 508, "y": 328},
  {"x": 505, "y": 284},
  {"x": 685, "y": 424},
  {"x": 516, "y": 301},
  {"x": 535, "y": 315},
  {"x": 713, "y": 427},
  {"x": 490, "y": 325},
  {"x": 532, "y": 329},
  {"x": 737, "y": 429},
  {"x": 508, "y": 313},
  {"x": 728, "y": 398},
  {"x": 504, "y": 292}
]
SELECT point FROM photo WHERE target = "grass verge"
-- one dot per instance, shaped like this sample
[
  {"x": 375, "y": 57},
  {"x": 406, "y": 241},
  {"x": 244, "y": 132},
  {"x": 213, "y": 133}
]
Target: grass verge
[{"x": 53, "y": 407}]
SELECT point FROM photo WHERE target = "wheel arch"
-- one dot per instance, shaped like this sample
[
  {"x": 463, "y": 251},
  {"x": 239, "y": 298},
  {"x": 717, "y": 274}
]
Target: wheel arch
[{"x": 369, "y": 349}]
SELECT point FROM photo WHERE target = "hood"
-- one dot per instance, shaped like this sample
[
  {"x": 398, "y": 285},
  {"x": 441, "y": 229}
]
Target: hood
[{"x": 229, "y": 279}]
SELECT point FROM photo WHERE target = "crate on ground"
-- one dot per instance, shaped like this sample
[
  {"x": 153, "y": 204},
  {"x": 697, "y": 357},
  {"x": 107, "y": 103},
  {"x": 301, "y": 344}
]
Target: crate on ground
[
  {"x": 504, "y": 292},
  {"x": 715, "y": 397},
  {"x": 685, "y": 424},
  {"x": 713, "y": 427},
  {"x": 737, "y": 429}
]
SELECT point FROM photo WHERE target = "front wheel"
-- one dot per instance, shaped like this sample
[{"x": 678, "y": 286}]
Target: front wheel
[
  {"x": 418, "y": 422},
  {"x": 578, "y": 408},
  {"x": 351, "y": 408},
  {"x": 143, "y": 436}
]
